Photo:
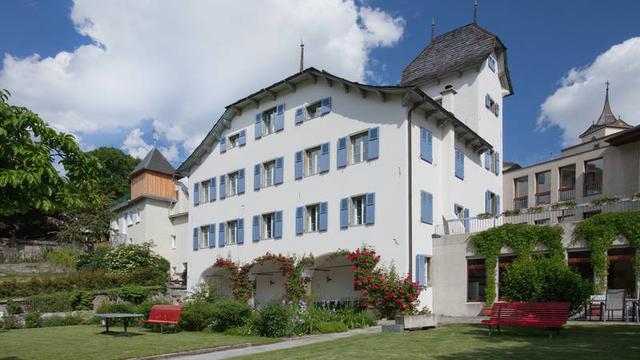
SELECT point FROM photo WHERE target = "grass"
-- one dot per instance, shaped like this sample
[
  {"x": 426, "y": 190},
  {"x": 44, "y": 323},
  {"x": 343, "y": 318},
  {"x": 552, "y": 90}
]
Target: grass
[
  {"x": 88, "y": 342},
  {"x": 472, "y": 342}
]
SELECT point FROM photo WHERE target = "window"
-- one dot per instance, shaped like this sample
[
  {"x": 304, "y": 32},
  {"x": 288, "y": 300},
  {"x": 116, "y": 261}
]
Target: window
[
  {"x": 521, "y": 198},
  {"x": 543, "y": 188},
  {"x": 204, "y": 237},
  {"x": 268, "y": 225},
  {"x": 476, "y": 280},
  {"x": 580, "y": 262},
  {"x": 593, "y": 172},
  {"x": 491, "y": 105},
  {"x": 567, "y": 189},
  {"x": 458, "y": 211},
  {"x": 459, "y": 170},
  {"x": 621, "y": 272},
  {"x": 491, "y": 62},
  {"x": 232, "y": 184},
  {"x": 357, "y": 210},
  {"x": 312, "y": 160},
  {"x": 204, "y": 191},
  {"x": 269, "y": 171},
  {"x": 231, "y": 237},
  {"x": 129, "y": 219},
  {"x": 359, "y": 147},
  {"x": 269, "y": 122},
  {"x": 312, "y": 218},
  {"x": 491, "y": 203},
  {"x": 137, "y": 216},
  {"x": 234, "y": 140},
  {"x": 173, "y": 242}
]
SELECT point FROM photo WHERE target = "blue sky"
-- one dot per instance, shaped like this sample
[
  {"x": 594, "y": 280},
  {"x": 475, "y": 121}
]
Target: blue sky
[{"x": 545, "y": 40}]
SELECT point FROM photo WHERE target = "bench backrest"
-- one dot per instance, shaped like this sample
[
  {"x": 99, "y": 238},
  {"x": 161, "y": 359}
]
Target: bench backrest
[
  {"x": 540, "y": 311},
  {"x": 165, "y": 312}
]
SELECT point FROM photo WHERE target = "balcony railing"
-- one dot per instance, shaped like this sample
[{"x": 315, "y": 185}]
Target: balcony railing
[
  {"x": 521, "y": 202},
  {"x": 543, "y": 198},
  {"x": 549, "y": 216},
  {"x": 117, "y": 238},
  {"x": 592, "y": 188},
  {"x": 566, "y": 194}
]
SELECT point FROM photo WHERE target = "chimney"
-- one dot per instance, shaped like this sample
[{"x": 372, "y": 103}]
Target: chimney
[{"x": 448, "y": 98}]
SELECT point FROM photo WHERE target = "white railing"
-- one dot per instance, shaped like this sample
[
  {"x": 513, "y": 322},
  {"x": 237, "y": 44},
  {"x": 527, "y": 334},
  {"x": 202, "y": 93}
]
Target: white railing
[
  {"x": 116, "y": 239},
  {"x": 533, "y": 216}
]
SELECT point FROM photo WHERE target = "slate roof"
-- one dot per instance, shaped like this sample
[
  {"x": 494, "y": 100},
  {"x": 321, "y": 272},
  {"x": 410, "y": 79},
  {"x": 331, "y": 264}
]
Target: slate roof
[
  {"x": 454, "y": 51},
  {"x": 606, "y": 119},
  {"x": 154, "y": 161}
]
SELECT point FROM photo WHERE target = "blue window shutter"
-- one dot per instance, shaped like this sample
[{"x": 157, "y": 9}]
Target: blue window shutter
[
  {"x": 497, "y": 112},
  {"x": 223, "y": 186},
  {"x": 195, "y": 239},
  {"x": 223, "y": 145},
  {"x": 242, "y": 140},
  {"x": 498, "y": 211},
  {"x": 324, "y": 157},
  {"x": 322, "y": 224},
  {"x": 426, "y": 207},
  {"x": 241, "y": 181},
  {"x": 459, "y": 164},
  {"x": 342, "y": 152},
  {"x": 487, "y": 201},
  {"x": 497, "y": 163},
  {"x": 256, "y": 177},
  {"x": 344, "y": 213},
  {"x": 487, "y": 101},
  {"x": 240, "y": 231},
  {"x": 426, "y": 148},
  {"x": 299, "y": 220},
  {"x": 212, "y": 236},
  {"x": 298, "y": 165},
  {"x": 370, "y": 209},
  {"x": 420, "y": 270},
  {"x": 212, "y": 189},
  {"x": 325, "y": 106},
  {"x": 279, "y": 175},
  {"x": 299, "y": 115},
  {"x": 221, "y": 235},
  {"x": 374, "y": 147},
  {"x": 279, "y": 117},
  {"x": 256, "y": 228},
  {"x": 258, "y": 127},
  {"x": 465, "y": 215},
  {"x": 196, "y": 194},
  {"x": 277, "y": 231},
  {"x": 487, "y": 160}
]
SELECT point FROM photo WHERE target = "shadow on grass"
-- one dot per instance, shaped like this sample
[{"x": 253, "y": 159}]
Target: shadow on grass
[
  {"x": 118, "y": 334},
  {"x": 598, "y": 342}
]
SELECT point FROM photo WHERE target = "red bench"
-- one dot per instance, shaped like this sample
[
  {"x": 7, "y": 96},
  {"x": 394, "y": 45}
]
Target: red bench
[
  {"x": 548, "y": 315},
  {"x": 164, "y": 315}
]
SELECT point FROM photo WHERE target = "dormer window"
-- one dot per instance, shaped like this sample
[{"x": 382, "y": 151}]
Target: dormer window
[
  {"x": 269, "y": 122},
  {"x": 491, "y": 62}
]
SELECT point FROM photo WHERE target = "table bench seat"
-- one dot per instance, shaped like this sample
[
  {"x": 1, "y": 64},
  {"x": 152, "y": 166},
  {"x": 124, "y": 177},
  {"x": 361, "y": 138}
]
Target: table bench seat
[
  {"x": 549, "y": 315},
  {"x": 164, "y": 315}
]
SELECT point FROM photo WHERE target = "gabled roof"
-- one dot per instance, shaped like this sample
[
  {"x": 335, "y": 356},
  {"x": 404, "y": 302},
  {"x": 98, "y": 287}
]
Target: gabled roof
[
  {"x": 411, "y": 94},
  {"x": 455, "y": 51},
  {"x": 154, "y": 161},
  {"x": 625, "y": 137},
  {"x": 606, "y": 119}
]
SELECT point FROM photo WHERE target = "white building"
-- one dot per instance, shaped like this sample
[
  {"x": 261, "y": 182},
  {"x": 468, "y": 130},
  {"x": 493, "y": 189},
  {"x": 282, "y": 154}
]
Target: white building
[{"x": 315, "y": 163}]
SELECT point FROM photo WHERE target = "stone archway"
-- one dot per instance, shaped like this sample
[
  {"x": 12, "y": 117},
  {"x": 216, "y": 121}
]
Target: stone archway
[
  {"x": 220, "y": 277},
  {"x": 269, "y": 282},
  {"x": 332, "y": 281}
]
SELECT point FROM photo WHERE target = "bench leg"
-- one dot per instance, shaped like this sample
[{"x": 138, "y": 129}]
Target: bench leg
[
  {"x": 498, "y": 328},
  {"x": 490, "y": 331},
  {"x": 553, "y": 332},
  {"x": 160, "y": 328}
]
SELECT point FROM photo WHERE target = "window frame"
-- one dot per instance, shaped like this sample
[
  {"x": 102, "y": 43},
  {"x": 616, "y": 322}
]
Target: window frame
[
  {"x": 314, "y": 105},
  {"x": 174, "y": 242},
  {"x": 265, "y": 223},
  {"x": 231, "y": 227},
  {"x": 353, "y": 208},
  {"x": 236, "y": 176},
  {"x": 307, "y": 160},
  {"x": 481, "y": 267},
  {"x": 203, "y": 237},
  {"x": 233, "y": 141},
  {"x": 264, "y": 175},
  {"x": 363, "y": 137},
  {"x": 204, "y": 191},
  {"x": 586, "y": 173},
  {"x": 308, "y": 217},
  {"x": 492, "y": 63},
  {"x": 270, "y": 125}
]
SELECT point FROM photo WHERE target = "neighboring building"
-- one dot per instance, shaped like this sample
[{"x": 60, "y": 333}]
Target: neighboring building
[
  {"x": 157, "y": 212},
  {"x": 605, "y": 164},
  {"x": 316, "y": 163}
]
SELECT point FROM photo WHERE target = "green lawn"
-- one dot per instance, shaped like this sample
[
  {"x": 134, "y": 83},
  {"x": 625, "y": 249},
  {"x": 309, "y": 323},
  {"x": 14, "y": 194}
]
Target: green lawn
[
  {"x": 87, "y": 342},
  {"x": 472, "y": 342}
]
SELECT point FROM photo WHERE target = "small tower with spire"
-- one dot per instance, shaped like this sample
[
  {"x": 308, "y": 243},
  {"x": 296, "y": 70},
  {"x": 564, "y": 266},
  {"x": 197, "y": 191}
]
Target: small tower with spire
[
  {"x": 606, "y": 124},
  {"x": 154, "y": 176}
]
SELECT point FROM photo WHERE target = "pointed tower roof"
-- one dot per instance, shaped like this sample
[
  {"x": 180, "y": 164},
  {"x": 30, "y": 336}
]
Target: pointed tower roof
[
  {"x": 606, "y": 119},
  {"x": 154, "y": 161}
]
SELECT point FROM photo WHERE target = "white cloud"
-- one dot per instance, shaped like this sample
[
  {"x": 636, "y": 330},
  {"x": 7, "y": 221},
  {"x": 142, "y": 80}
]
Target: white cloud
[
  {"x": 136, "y": 146},
  {"x": 180, "y": 63},
  {"x": 579, "y": 100}
]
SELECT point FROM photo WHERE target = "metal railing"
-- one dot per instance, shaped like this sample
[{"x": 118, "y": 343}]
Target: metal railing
[
  {"x": 592, "y": 188},
  {"x": 548, "y": 216},
  {"x": 521, "y": 202},
  {"x": 543, "y": 198},
  {"x": 566, "y": 194}
]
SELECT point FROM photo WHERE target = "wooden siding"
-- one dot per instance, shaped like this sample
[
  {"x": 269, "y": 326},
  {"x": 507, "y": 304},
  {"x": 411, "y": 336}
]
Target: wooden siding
[{"x": 153, "y": 183}]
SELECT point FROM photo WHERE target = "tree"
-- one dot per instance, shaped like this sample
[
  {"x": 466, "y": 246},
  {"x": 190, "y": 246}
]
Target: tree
[
  {"x": 29, "y": 151},
  {"x": 88, "y": 225},
  {"x": 113, "y": 179}
]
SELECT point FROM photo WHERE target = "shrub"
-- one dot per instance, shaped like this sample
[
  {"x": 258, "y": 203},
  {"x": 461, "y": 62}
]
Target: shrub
[
  {"x": 33, "y": 319},
  {"x": 133, "y": 293},
  {"x": 275, "y": 320},
  {"x": 545, "y": 279},
  {"x": 56, "y": 302},
  {"x": 204, "y": 292},
  {"x": 10, "y": 322},
  {"x": 93, "y": 261},
  {"x": 196, "y": 315},
  {"x": 66, "y": 257},
  {"x": 245, "y": 330},
  {"x": 13, "y": 308},
  {"x": 332, "y": 327},
  {"x": 67, "y": 320},
  {"x": 116, "y": 308},
  {"x": 230, "y": 313},
  {"x": 126, "y": 259},
  {"x": 356, "y": 319}
]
